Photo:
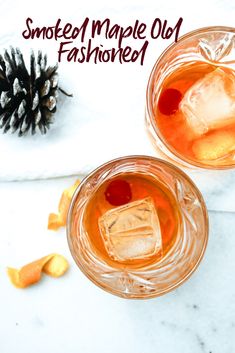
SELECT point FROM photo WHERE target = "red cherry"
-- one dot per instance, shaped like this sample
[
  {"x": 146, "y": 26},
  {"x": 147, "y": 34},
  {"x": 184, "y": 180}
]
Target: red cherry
[
  {"x": 118, "y": 192},
  {"x": 169, "y": 101}
]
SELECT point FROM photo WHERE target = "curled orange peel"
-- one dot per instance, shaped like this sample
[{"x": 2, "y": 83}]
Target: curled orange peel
[
  {"x": 55, "y": 221},
  {"x": 54, "y": 265}
]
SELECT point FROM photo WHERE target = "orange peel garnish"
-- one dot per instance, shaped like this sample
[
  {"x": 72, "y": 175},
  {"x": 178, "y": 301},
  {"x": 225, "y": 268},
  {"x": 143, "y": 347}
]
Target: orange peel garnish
[
  {"x": 55, "y": 221},
  {"x": 54, "y": 265}
]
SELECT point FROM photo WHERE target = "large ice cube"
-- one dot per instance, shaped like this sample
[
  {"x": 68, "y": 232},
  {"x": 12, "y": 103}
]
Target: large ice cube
[
  {"x": 131, "y": 231},
  {"x": 210, "y": 102}
]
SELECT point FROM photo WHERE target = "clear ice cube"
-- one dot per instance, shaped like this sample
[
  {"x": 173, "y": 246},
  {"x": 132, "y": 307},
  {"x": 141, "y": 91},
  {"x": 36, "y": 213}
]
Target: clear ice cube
[
  {"x": 210, "y": 102},
  {"x": 131, "y": 231}
]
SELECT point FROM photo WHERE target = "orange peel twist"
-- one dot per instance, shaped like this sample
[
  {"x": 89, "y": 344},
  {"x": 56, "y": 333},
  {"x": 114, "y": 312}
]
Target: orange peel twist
[
  {"x": 55, "y": 221},
  {"x": 54, "y": 265}
]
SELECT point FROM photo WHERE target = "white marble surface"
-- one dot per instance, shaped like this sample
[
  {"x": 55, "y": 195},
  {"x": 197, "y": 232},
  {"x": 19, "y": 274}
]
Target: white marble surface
[{"x": 70, "y": 314}]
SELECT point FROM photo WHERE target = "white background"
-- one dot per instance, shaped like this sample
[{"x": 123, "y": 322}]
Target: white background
[{"x": 103, "y": 120}]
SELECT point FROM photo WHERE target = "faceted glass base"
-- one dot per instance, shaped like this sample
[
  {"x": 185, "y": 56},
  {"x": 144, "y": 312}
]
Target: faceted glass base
[{"x": 168, "y": 271}]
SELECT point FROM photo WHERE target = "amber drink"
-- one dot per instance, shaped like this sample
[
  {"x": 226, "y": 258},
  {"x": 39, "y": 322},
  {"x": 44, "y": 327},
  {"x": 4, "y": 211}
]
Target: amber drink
[
  {"x": 137, "y": 227},
  {"x": 191, "y": 100}
]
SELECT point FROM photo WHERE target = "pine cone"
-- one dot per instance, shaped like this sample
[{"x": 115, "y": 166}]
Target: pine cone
[{"x": 27, "y": 101}]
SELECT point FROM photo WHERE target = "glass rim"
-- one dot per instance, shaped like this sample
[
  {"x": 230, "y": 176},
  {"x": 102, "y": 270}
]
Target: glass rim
[
  {"x": 154, "y": 160},
  {"x": 185, "y": 162}
]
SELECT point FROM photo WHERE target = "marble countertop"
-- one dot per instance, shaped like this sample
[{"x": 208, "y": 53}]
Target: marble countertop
[{"x": 70, "y": 314}]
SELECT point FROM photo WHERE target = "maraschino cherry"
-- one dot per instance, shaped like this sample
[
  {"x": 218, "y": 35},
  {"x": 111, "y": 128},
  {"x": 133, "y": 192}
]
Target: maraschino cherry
[
  {"x": 169, "y": 101},
  {"x": 118, "y": 192}
]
